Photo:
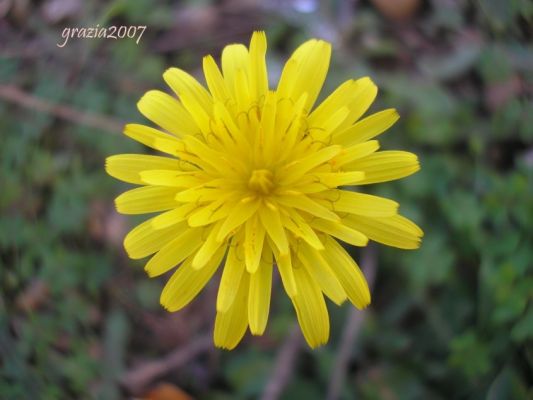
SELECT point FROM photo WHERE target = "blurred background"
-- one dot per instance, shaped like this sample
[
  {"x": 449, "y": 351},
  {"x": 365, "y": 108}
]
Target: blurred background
[{"x": 453, "y": 320}]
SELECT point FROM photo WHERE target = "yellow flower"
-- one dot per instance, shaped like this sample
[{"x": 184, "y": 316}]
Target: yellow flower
[{"x": 255, "y": 178}]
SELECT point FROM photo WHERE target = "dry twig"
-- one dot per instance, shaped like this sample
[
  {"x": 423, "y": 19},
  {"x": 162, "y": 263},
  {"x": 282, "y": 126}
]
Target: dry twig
[
  {"x": 17, "y": 96},
  {"x": 138, "y": 379},
  {"x": 283, "y": 367},
  {"x": 351, "y": 329}
]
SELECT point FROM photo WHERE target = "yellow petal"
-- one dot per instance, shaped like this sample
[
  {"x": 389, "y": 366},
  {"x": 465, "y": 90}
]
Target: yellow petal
[
  {"x": 212, "y": 212},
  {"x": 230, "y": 326},
  {"x": 330, "y": 125},
  {"x": 334, "y": 179},
  {"x": 287, "y": 79},
  {"x": 146, "y": 199},
  {"x": 319, "y": 269},
  {"x": 186, "y": 282},
  {"x": 232, "y": 274},
  {"x": 364, "y": 95},
  {"x": 178, "y": 214},
  {"x": 345, "y": 201},
  {"x": 355, "y": 152},
  {"x": 144, "y": 239},
  {"x": 267, "y": 136},
  {"x": 200, "y": 194},
  {"x": 183, "y": 83},
  {"x": 396, "y": 231},
  {"x": 312, "y": 63},
  {"x": 189, "y": 161},
  {"x": 304, "y": 203},
  {"x": 196, "y": 100},
  {"x": 341, "y": 97},
  {"x": 174, "y": 252},
  {"x": 152, "y": 138},
  {"x": 284, "y": 263},
  {"x": 294, "y": 222},
  {"x": 295, "y": 170},
  {"x": 367, "y": 128},
  {"x": 167, "y": 112},
  {"x": 127, "y": 167},
  {"x": 291, "y": 130},
  {"x": 242, "y": 95},
  {"x": 173, "y": 178},
  {"x": 215, "y": 81},
  {"x": 356, "y": 96},
  {"x": 220, "y": 162},
  {"x": 348, "y": 273},
  {"x": 386, "y": 166},
  {"x": 272, "y": 222},
  {"x": 323, "y": 132},
  {"x": 208, "y": 248},
  {"x": 341, "y": 231},
  {"x": 310, "y": 309},
  {"x": 253, "y": 243},
  {"x": 241, "y": 212},
  {"x": 258, "y": 68},
  {"x": 234, "y": 58},
  {"x": 224, "y": 116},
  {"x": 259, "y": 294}
]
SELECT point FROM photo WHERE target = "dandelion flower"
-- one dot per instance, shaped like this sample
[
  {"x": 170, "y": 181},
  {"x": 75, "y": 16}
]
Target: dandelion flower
[{"x": 257, "y": 179}]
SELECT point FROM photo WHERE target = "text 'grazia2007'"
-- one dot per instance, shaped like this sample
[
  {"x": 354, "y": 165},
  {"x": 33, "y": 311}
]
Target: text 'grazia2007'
[{"x": 97, "y": 32}]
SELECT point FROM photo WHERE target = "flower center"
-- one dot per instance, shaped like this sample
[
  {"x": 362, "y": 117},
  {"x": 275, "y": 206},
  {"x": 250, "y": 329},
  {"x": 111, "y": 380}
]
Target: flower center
[{"x": 261, "y": 181}]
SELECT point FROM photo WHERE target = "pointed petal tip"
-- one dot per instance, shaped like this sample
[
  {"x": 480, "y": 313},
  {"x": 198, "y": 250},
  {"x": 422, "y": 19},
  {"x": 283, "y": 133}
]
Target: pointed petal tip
[
  {"x": 362, "y": 305},
  {"x": 164, "y": 303},
  {"x": 259, "y": 33},
  {"x": 340, "y": 301},
  {"x": 366, "y": 80},
  {"x": 324, "y": 44},
  {"x": 257, "y": 330},
  {"x": 143, "y": 99},
  {"x": 128, "y": 127},
  {"x": 169, "y": 71},
  {"x": 117, "y": 205},
  {"x": 395, "y": 114},
  {"x": 149, "y": 273},
  {"x": 128, "y": 253},
  {"x": 318, "y": 344},
  {"x": 108, "y": 166},
  {"x": 224, "y": 346}
]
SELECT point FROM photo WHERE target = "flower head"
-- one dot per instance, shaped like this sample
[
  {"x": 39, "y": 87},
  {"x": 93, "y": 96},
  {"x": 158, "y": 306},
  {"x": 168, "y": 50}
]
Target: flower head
[{"x": 256, "y": 179}]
